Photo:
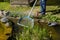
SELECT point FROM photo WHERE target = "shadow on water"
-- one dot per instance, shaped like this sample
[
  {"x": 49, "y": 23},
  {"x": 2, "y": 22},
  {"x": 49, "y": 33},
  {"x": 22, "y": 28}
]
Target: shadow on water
[
  {"x": 56, "y": 32},
  {"x": 57, "y": 28}
]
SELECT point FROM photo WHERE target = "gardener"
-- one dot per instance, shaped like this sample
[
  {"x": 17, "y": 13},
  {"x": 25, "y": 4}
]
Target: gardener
[{"x": 43, "y": 6}]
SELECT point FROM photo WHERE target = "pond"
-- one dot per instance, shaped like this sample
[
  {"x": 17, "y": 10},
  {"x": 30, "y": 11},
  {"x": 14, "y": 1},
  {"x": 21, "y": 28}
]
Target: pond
[{"x": 36, "y": 33}]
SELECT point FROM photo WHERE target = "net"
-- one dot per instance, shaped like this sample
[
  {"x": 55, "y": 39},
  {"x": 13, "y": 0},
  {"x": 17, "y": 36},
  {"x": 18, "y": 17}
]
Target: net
[{"x": 26, "y": 22}]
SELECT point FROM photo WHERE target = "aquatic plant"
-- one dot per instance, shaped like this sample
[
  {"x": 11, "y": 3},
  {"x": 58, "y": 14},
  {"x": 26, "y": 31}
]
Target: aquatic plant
[{"x": 35, "y": 33}]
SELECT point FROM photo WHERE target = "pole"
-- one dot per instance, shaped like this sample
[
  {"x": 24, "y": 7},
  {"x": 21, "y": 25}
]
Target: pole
[{"x": 43, "y": 6}]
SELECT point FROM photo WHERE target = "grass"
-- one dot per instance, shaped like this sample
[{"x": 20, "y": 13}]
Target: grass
[
  {"x": 51, "y": 18},
  {"x": 6, "y": 6}
]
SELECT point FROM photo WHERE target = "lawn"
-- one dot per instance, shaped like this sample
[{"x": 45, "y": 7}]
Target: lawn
[{"x": 6, "y": 6}]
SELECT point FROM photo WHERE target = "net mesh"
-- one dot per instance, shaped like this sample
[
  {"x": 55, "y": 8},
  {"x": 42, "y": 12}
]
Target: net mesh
[{"x": 27, "y": 22}]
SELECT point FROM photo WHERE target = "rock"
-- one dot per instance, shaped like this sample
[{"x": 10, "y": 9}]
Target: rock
[
  {"x": 4, "y": 19},
  {"x": 7, "y": 24},
  {"x": 7, "y": 14},
  {"x": 2, "y": 13},
  {"x": 52, "y": 24}
]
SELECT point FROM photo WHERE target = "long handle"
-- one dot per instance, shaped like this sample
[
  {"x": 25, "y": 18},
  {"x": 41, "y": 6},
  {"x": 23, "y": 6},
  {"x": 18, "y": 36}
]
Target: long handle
[{"x": 32, "y": 8}]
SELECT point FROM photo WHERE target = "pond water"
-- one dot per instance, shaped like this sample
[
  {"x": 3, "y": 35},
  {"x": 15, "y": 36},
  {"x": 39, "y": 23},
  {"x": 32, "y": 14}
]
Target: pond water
[
  {"x": 55, "y": 31},
  {"x": 3, "y": 31}
]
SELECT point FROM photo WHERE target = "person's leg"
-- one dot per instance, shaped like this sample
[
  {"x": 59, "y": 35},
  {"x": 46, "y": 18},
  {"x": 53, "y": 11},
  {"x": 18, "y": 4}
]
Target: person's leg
[{"x": 43, "y": 6}]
